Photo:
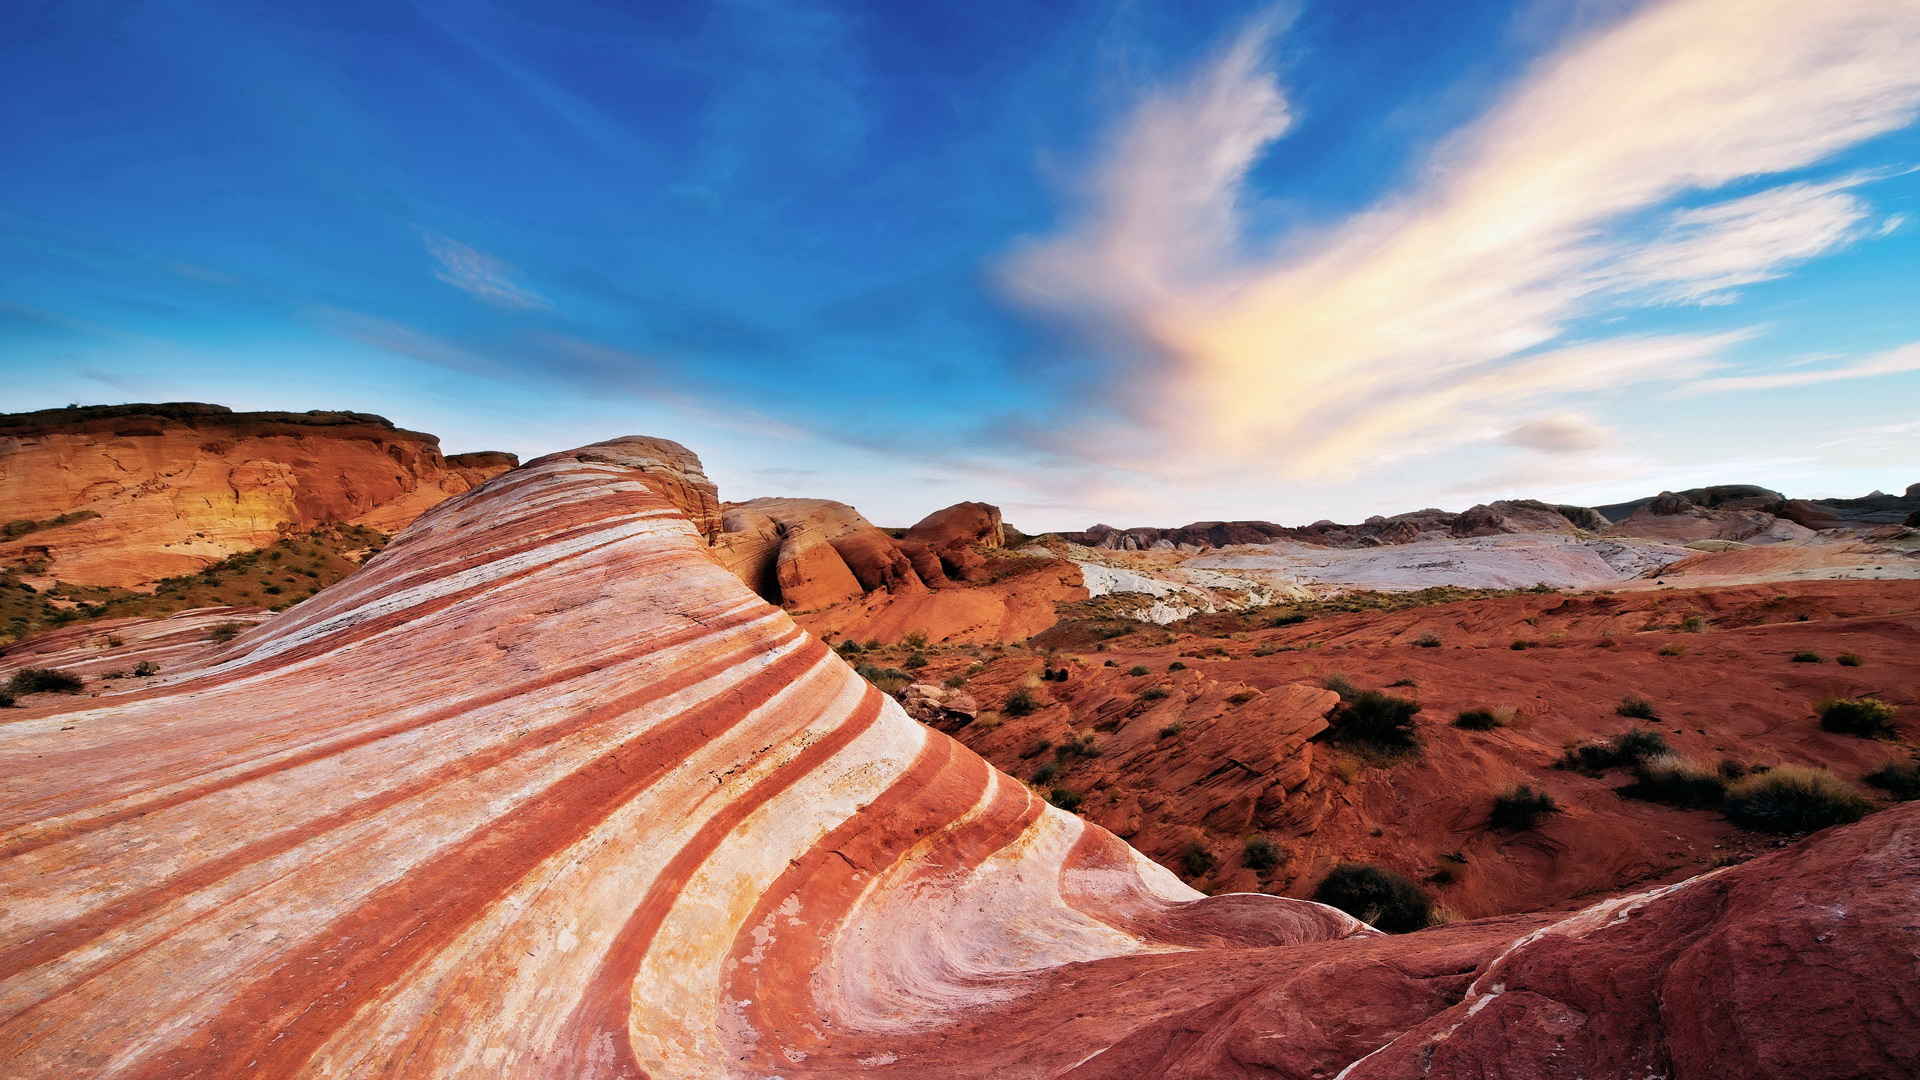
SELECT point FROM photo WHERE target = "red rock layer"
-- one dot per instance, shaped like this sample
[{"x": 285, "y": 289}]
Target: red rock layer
[
  {"x": 544, "y": 791},
  {"x": 179, "y": 486}
]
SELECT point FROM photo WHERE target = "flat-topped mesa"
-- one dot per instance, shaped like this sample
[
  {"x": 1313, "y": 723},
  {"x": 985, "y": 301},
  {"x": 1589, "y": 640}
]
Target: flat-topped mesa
[
  {"x": 545, "y": 791},
  {"x": 121, "y": 495}
]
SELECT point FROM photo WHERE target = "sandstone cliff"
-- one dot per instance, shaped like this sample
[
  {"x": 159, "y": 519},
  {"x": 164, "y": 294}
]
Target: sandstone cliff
[
  {"x": 151, "y": 491},
  {"x": 544, "y": 791}
]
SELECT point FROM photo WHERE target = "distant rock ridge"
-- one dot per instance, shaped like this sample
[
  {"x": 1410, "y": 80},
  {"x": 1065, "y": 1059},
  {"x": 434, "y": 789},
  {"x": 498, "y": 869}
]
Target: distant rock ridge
[
  {"x": 145, "y": 491},
  {"x": 1744, "y": 512}
]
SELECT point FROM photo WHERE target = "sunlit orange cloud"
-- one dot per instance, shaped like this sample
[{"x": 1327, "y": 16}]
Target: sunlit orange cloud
[{"x": 1441, "y": 314}]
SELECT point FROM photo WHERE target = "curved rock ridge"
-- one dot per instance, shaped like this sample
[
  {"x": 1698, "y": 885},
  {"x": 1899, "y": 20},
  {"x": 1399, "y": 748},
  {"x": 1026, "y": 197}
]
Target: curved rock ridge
[
  {"x": 544, "y": 790},
  {"x": 122, "y": 495}
]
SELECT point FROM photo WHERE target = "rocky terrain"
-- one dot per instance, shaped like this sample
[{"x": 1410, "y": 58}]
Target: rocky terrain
[
  {"x": 123, "y": 495},
  {"x": 546, "y": 789}
]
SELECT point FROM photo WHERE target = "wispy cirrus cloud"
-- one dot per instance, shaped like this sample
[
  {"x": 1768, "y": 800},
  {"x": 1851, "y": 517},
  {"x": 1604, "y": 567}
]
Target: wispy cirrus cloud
[
  {"x": 1376, "y": 336},
  {"x": 1891, "y": 362},
  {"x": 481, "y": 275}
]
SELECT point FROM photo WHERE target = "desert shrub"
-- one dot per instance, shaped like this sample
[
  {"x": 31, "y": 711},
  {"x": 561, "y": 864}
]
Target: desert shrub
[
  {"x": 1288, "y": 620},
  {"x": 888, "y": 680},
  {"x": 1085, "y": 746},
  {"x": 1375, "y": 721},
  {"x": 1521, "y": 808},
  {"x": 1020, "y": 703},
  {"x": 1045, "y": 773},
  {"x": 39, "y": 680},
  {"x": 1522, "y": 644},
  {"x": 1477, "y": 720},
  {"x": 954, "y": 682},
  {"x": 1261, "y": 854},
  {"x": 1153, "y": 693},
  {"x": 1137, "y": 670},
  {"x": 145, "y": 669},
  {"x": 1847, "y": 659},
  {"x": 1197, "y": 861},
  {"x": 6, "y": 700},
  {"x": 1171, "y": 730},
  {"x": 1900, "y": 781},
  {"x": 845, "y": 648},
  {"x": 914, "y": 662},
  {"x": 1672, "y": 650},
  {"x": 1636, "y": 707},
  {"x": 915, "y": 641},
  {"x": 1066, "y": 799},
  {"x": 1794, "y": 799},
  {"x": 1427, "y": 641},
  {"x": 1677, "y": 781},
  {"x": 1176, "y": 666},
  {"x": 1054, "y": 674},
  {"x": 1806, "y": 658},
  {"x": 1627, "y": 749},
  {"x": 1371, "y": 894},
  {"x": 1864, "y": 717},
  {"x": 1341, "y": 685},
  {"x": 226, "y": 631},
  {"x": 1693, "y": 624}
]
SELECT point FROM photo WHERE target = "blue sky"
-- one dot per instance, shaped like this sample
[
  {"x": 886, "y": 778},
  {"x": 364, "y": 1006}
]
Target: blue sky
[{"x": 1126, "y": 261}]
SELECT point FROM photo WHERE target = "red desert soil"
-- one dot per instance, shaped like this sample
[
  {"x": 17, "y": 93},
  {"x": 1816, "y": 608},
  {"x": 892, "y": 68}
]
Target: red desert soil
[
  {"x": 545, "y": 791},
  {"x": 1201, "y": 766}
]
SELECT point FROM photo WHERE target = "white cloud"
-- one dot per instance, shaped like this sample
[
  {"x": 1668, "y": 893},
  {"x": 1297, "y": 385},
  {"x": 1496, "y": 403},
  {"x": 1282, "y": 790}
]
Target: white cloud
[
  {"x": 1379, "y": 335},
  {"x": 481, "y": 275},
  {"x": 1566, "y": 433},
  {"x": 1703, "y": 254},
  {"x": 1892, "y": 362}
]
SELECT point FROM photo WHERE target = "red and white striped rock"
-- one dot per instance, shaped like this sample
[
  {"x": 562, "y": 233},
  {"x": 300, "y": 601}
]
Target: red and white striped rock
[
  {"x": 542, "y": 791},
  {"x": 545, "y": 791}
]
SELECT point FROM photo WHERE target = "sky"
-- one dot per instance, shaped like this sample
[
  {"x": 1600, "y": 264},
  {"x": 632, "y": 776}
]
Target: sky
[{"x": 1119, "y": 261}]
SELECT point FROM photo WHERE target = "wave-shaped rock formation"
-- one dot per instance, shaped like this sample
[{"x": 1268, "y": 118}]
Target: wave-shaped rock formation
[
  {"x": 121, "y": 495},
  {"x": 546, "y": 791}
]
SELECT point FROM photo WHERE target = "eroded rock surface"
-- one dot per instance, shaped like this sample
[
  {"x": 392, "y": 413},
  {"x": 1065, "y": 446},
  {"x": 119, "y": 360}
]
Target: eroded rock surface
[{"x": 158, "y": 490}]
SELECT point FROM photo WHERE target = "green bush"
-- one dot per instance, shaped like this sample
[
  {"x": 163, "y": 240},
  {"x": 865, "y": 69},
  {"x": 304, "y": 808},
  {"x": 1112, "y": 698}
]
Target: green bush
[
  {"x": 915, "y": 662},
  {"x": 1375, "y": 721},
  {"x": 1806, "y": 658},
  {"x": 1197, "y": 861},
  {"x": 1521, "y": 808},
  {"x": 1636, "y": 707},
  {"x": 1020, "y": 703},
  {"x": 1261, "y": 854},
  {"x": 1627, "y": 749},
  {"x": 1847, "y": 659},
  {"x": 39, "y": 680},
  {"x": 1066, "y": 799},
  {"x": 1900, "y": 781},
  {"x": 915, "y": 641},
  {"x": 1381, "y": 897},
  {"x": 845, "y": 648},
  {"x": 1794, "y": 799},
  {"x": 1477, "y": 720},
  {"x": 1676, "y": 781},
  {"x": 1865, "y": 717},
  {"x": 1153, "y": 693},
  {"x": 1045, "y": 773}
]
